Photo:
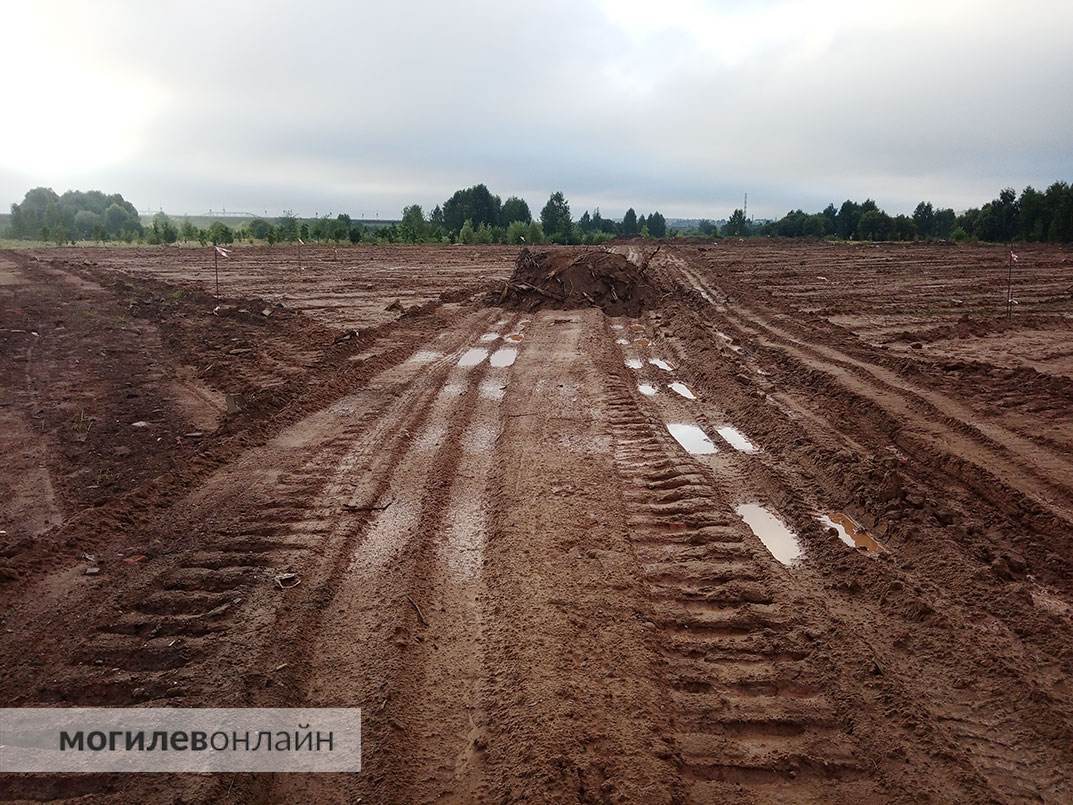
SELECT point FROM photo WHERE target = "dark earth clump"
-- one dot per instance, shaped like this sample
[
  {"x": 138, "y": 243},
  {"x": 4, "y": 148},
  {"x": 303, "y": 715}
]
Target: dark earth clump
[{"x": 573, "y": 278}]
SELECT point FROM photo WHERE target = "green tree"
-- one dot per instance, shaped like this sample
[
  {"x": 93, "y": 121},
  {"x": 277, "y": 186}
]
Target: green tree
[
  {"x": 903, "y": 228},
  {"x": 188, "y": 232},
  {"x": 413, "y": 227},
  {"x": 85, "y": 221},
  {"x": 259, "y": 228},
  {"x": 555, "y": 218},
  {"x": 874, "y": 225},
  {"x": 514, "y": 209},
  {"x": 736, "y": 226},
  {"x": 630, "y": 227},
  {"x": 164, "y": 230},
  {"x": 288, "y": 226},
  {"x": 476, "y": 204},
  {"x": 536, "y": 233},
  {"x": 943, "y": 223},
  {"x": 466, "y": 233},
  {"x": 849, "y": 216},
  {"x": 517, "y": 232},
  {"x": 484, "y": 234},
  {"x": 924, "y": 219},
  {"x": 219, "y": 233},
  {"x": 657, "y": 225}
]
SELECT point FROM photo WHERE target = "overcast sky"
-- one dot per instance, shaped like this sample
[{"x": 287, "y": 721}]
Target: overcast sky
[{"x": 676, "y": 105}]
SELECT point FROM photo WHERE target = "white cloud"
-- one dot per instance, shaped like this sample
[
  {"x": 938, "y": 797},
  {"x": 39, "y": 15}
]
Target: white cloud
[{"x": 681, "y": 106}]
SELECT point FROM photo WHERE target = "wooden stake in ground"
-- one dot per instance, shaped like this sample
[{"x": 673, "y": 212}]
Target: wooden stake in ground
[
  {"x": 1009, "y": 285},
  {"x": 216, "y": 252}
]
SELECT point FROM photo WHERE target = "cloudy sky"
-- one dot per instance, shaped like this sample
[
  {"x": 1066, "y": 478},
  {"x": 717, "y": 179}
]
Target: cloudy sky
[{"x": 677, "y": 105}]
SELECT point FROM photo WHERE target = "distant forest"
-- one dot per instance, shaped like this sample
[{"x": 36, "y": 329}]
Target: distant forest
[{"x": 475, "y": 215}]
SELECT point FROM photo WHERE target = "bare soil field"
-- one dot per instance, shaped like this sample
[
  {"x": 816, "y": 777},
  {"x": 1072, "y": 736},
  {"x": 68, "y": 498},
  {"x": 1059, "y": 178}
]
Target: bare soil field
[{"x": 800, "y": 530}]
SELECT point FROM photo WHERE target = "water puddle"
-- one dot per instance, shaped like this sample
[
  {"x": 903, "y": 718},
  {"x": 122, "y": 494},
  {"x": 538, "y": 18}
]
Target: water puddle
[
  {"x": 489, "y": 337},
  {"x": 777, "y": 538},
  {"x": 692, "y": 438},
  {"x": 682, "y": 389},
  {"x": 647, "y": 389},
  {"x": 736, "y": 439},
  {"x": 707, "y": 297},
  {"x": 633, "y": 363},
  {"x": 473, "y": 356},
  {"x": 503, "y": 357},
  {"x": 492, "y": 388},
  {"x": 622, "y": 341},
  {"x": 662, "y": 364},
  {"x": 616, "y": 326},
  {"x": 850, "y": 531}
]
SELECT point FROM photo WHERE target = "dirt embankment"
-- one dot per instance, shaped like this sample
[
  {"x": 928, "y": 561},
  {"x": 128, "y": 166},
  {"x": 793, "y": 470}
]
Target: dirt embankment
[{"x": 572, "y": 278}]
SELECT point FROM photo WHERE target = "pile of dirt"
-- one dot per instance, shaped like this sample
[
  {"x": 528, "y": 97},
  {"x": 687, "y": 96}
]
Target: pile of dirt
[{"x": 573, "y": 278}]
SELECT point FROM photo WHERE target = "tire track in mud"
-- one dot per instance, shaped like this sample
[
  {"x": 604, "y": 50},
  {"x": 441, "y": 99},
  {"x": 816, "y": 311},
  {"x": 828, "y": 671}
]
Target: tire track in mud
[
  {"x": 748, "y": 722},
  {"x": 1008, "y": 756},
  {"x": 1001, "y": 454},
  {"x": 220, "y": 605},
  {"x": 401, "y": 635}
]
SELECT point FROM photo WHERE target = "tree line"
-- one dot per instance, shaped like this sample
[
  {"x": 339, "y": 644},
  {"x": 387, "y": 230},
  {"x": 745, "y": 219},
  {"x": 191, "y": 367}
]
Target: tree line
[
  {"x": 1045, "y": 216},
  {"x": 475, "y": 215},
  {"x": 75, "y": 215}
]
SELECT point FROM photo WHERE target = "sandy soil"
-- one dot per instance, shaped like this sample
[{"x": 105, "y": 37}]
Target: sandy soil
[{"x": 802, "y": 531}]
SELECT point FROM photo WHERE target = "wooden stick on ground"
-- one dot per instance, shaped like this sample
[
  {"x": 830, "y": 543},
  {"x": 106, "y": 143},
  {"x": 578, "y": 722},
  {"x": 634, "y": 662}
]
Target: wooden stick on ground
[{"x": 417, "y": 609}]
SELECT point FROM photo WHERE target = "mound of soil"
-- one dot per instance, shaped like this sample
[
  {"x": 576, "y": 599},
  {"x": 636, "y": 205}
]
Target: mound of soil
[{"x": 573, "y": 278}]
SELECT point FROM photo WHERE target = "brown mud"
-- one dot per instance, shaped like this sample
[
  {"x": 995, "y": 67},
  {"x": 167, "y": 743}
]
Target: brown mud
[
  {"x": 533, "y": 589},
  {"x": 573, "y": 278}
]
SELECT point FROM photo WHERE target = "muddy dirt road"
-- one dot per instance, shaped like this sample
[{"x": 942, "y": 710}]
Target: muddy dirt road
[{"x": 802, "y": 531}]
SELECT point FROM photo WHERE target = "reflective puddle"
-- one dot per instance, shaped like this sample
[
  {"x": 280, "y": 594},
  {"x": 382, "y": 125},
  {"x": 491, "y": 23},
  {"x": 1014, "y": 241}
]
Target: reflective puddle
[
  {"x": 471, "y": 357},
  {"x": 736, "y": 439},
  {"x": 616, "y": 326},
  {"x": 682, "y": 389},
  {"x": 489, "y": 337},
  {"x": 662, "y": 364},
  {"x": 491, "y": 388},
  {"x": 777, "y": 538},
  {"x": 647, "y": 389},
  {"x": 850, "y": 531},
  {"x": 692, "y": 438},
  {"x": 621, "y": 341},
  {"x": 503, "y": 357},
  {"x": 633, "y": 363}
]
